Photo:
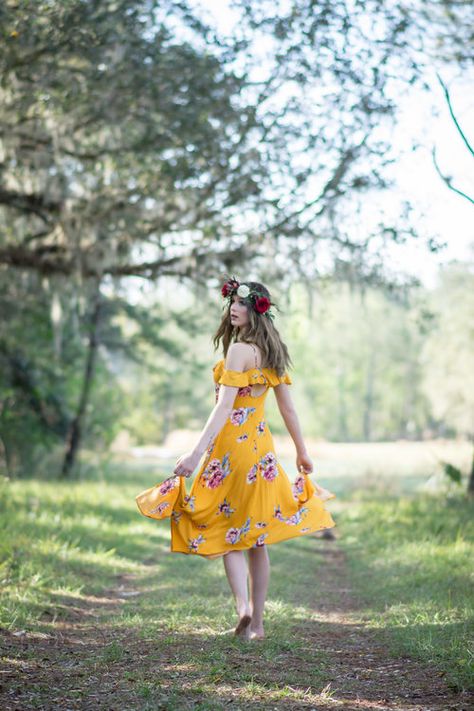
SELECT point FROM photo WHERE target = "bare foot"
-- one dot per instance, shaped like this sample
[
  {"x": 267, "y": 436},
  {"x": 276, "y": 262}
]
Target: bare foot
[
  {"x": 256, "y": 633},
  {"x": 323, "y": 494},
  {"x": 242, "y": 629}
]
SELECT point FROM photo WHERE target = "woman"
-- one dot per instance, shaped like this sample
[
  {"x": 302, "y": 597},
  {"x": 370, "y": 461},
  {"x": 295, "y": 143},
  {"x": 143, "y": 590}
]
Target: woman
[{"x": 241, "y": 499}]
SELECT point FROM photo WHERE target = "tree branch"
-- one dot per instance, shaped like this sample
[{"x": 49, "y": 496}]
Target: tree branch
[
  {"x": 448, "y": 101},
  {"x": 66, "y": 264},
  {"x": 447, "y": 180},
  {"x": 29, "y": 202}
]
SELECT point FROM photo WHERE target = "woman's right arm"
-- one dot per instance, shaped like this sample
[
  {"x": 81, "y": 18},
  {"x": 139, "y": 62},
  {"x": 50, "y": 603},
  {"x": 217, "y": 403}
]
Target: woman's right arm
[
  {"x": 216, "y": 420},
  {"x": 227, "y": 393}
]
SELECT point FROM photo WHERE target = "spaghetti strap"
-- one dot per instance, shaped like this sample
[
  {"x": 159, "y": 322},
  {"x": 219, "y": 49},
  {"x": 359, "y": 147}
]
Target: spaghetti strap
[{"x": 255, "y": 353}]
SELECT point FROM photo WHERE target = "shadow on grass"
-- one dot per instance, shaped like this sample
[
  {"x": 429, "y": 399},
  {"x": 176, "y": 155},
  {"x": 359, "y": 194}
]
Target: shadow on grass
[
  {"x": 411, "y": 561},
  {"x": 170, "y": 671},
  {"x": 67, "y": 542}
]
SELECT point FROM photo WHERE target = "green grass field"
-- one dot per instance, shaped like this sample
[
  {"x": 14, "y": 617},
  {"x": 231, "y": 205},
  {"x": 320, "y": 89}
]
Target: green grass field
[
  {"x": 411, "y": 559},
  {"x": 67, "y": 548}
]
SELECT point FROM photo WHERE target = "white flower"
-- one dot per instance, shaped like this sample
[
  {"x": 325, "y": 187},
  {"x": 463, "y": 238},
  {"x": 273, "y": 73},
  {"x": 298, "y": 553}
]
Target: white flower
[{"x": 243, "y": 291}]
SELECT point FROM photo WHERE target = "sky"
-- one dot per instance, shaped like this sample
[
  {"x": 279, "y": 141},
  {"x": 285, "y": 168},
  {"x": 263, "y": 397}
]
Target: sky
[{"x": 424, "y": 116}]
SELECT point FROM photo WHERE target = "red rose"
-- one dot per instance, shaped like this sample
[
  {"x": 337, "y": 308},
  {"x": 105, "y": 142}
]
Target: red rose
[
  {"x": 229, "y": 286},
  {"x": 262, "y": 304}
]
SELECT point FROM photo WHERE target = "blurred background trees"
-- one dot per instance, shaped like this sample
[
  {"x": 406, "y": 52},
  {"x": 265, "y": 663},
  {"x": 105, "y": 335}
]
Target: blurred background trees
[{"x": 138, "y": 146}]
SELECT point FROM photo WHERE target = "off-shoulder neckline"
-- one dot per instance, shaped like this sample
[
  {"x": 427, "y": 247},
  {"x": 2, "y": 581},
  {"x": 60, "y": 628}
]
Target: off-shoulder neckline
[{"x": 249, "y": 370}]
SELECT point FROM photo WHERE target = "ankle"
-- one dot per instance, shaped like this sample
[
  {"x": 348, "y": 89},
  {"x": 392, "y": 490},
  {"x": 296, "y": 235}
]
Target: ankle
[{"x": 242, "y": 609}]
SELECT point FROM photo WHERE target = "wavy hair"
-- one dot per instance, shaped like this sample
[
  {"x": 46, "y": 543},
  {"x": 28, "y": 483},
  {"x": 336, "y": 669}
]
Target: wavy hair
[{"x": 259, "y": 330}]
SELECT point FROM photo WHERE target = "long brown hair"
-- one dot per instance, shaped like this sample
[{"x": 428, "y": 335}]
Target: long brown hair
[{"x": 259, "y": 330}]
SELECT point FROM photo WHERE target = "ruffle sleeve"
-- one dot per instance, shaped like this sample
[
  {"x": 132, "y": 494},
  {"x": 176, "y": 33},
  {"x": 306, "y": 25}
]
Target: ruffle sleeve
[
  {"x": 275, "y": 379},
  {"x": 238, "y": 379},
  {"x": 233, "y": 377}
]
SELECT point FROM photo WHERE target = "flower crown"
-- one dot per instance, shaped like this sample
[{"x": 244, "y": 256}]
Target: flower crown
[{"x": 253, "y": 297}]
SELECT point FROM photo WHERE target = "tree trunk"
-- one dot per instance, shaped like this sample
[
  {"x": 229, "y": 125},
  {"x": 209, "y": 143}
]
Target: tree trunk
[
  {"x": 343, "y": 434},
  {"x": 369, "y": 396},
  {"x": 76, "y": 428},
  {"x": 470, "y": 486},
  {"x": 167, "y": 411}
]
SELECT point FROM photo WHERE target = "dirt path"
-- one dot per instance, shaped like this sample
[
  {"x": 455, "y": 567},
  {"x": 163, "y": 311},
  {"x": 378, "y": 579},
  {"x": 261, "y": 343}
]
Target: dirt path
[
  {"x": 87, "y": 662},
  {"x": 363, "y": 674}
]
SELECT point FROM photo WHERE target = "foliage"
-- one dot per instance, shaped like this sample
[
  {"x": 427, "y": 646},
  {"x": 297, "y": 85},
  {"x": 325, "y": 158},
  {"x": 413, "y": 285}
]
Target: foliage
[
  {"x": 411, "y": 559},
  {"x": 79, "y": 554},
  {"x": 447, "y": 353},
  {"x": 136, "y": 141}
]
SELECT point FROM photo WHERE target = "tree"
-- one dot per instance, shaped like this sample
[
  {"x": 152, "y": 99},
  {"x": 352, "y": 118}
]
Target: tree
[
  {"x": 447, "y": 354},
  {"x": 138, "y": 143},
  {"x": 118, "y": 141},
  {"x": 448, "y": 181},
  {"x": 130, "y": 151}
]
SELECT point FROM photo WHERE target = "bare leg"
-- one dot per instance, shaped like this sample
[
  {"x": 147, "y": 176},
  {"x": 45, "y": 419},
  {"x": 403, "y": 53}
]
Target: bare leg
[
  {"x": 259, "y": 567},
  {"x": 237, "y": 572}
]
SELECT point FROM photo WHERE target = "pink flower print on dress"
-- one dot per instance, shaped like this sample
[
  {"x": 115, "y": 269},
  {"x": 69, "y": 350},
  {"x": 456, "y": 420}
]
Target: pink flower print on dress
[
  {"x": 215, "y": 480},
  {"x": 189, "y": 501},
  {"x": 243, "y": 392},
  {"x": 278, "y": 514},
  {"x": 292, "y": 520},
  {"x": 215, "y": 472},
  {"x": 261, "y": 427},
  {"x": 160, "y": 508},
  {"x": 245, "y": 528},
  {"x": 261, "y": 540},
  {"x": 298, "y": 486},
  {"x": 212, "y": 470},
  {"x": 268, "y": 466},
  {"x": 270, "y": 472},
  {"x": 260, "y": 524},
  {"x": 168, "y": 485},
  {"x": 225, "y": 508},
  {"x": 176, "y": 515},
  {"x": 194, "y": 543},
  {"x": 241, "y": 415},
  {"x": 242, "y": 438},
  {"x": 233, "y": 535},
  {"x": 252, "y": 475}
]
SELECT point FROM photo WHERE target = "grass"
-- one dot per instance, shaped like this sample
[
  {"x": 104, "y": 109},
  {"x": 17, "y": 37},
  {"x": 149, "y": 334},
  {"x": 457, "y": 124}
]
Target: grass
[
  {"x": 412, "y": 561},
  {"x": 67, "y": 547}
]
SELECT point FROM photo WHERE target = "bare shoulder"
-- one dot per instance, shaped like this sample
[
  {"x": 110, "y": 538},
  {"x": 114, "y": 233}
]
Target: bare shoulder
[{"x": 238, "y": 356}]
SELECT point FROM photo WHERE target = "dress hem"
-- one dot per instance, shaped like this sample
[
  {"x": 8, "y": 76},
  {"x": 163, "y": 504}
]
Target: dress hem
[{"x": 297, "y": 534}]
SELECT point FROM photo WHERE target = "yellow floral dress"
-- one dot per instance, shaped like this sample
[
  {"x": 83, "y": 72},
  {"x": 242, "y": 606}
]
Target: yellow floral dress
[{"x": 241, "y": 497}]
